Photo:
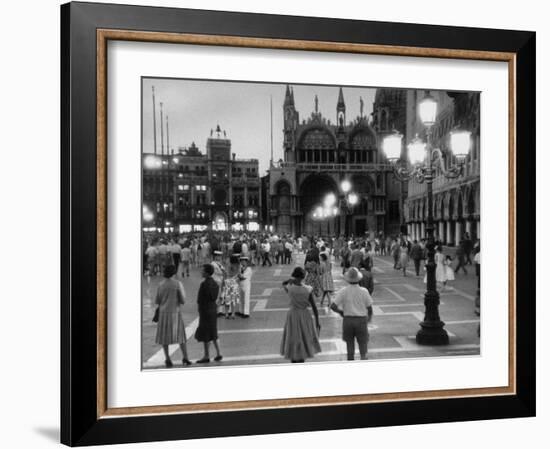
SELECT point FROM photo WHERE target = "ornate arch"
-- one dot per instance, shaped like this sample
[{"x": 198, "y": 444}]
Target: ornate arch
[
  {"x": 362, "y": 137},
  {"x": 363, "y": 184},
  {"x": 314, "y": 188},
  {"x": 316, "y": 137},
  {"x": 283, "y": 192}
]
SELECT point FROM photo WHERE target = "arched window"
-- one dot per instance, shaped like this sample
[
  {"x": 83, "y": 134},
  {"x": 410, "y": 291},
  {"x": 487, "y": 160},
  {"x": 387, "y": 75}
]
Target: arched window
[{"x": 283, "y": 197}]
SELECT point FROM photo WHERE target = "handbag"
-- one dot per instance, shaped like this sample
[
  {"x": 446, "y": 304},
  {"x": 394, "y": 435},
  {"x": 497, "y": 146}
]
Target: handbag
[{"x": 156, "y": 315}]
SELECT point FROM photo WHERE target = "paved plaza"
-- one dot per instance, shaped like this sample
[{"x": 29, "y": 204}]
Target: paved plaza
[{"x": 398, "y": 308}]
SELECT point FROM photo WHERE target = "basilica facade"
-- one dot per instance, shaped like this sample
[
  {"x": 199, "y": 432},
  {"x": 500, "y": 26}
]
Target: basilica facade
[{"x": 338, "y": 159}]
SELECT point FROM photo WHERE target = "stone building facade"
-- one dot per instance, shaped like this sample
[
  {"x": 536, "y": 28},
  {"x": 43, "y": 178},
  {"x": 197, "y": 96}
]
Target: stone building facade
[
  {"x": 188, "y": 190},
  {"x": 320, "y": 154},
  {"x": 456, "y": 207}
]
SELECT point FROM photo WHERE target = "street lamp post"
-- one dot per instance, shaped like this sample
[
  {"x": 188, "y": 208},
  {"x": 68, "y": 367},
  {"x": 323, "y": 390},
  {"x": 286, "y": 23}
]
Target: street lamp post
[
  {"x": 348, "y": 200},
  {"x": 423, "y": 157}
]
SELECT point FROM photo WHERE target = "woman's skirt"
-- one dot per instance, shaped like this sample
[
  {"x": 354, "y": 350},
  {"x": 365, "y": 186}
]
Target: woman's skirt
[
  {"x": 231, "y": 294},
  {"x": 440, "y": 274},
  {"x": 314, "y": 280},
  {"x": 170, "y": 329},
  {"x": 327, "y": 283},
  {"x": 300, "y": 340},
  {"x": 449, "y": 273},
  {"x": 208, "y": 326}
]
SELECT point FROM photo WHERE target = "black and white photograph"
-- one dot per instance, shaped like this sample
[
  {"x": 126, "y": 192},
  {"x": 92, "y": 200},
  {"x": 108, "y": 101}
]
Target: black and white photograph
[{"x": 303, "y": 223}]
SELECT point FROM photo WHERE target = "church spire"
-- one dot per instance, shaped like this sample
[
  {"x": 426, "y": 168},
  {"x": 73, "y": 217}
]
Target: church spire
[
  {"x": 341, "y": 109},
  {"x": 289, "y": 97},
  {"x": 341, "y": 103}
]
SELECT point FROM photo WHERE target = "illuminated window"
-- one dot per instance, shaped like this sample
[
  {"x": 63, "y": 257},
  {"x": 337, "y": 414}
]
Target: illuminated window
[{"x": 185, "y": 228}]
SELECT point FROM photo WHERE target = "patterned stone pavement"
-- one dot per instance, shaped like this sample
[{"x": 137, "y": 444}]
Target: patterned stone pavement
[{"x": 398, "y": 308}]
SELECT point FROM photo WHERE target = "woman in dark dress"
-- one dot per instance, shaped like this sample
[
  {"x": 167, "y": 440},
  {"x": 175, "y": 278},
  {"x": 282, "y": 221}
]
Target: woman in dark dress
[{"x": 207, "y": 330}]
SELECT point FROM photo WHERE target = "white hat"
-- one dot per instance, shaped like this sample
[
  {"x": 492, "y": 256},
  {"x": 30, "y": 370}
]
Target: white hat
[
  {"x": 243, "y": 258},
  {"x": 353, "y": 276}
]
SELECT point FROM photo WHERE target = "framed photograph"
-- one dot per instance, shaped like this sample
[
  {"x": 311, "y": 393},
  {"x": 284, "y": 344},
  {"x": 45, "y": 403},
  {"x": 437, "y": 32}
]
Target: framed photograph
[{"x": 275, "y": 224}]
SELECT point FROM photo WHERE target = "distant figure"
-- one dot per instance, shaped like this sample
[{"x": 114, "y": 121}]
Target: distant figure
[
  {"x": 367, "y": 281},
  {"x": 245, "y": 283},
  {"x": 404, "y": 257},
  {"x": 416, "y": 255},
  {"x": 327, "y": 282},
  {"x": 395, "y": 252},
  {"x": 231, "y": 294},
  {"x": 461, "y": 257},
  {"x": 313, "y": 278},
  {"x": 449, "y": 273}
]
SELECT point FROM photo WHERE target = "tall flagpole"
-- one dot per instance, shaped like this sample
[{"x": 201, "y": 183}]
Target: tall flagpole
[
  {"x": 271, "y": 118},
  {"x": 154, "y": 122},
  {"x": 161, "y": 131},
  {"x": 167, "y": 136}
]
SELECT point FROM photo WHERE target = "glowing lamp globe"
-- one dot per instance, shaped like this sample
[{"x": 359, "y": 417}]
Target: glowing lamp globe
[
  {"x": 330, "y": 200},
  {"x": 345, "y": 186},
  {"x": 417, "y": 151},
  {"x": 391, "y": 146},
  {"x": 460, "y": 144},
  {"x": 151, "y": 162},
  {"x": 427, "y": 110},
  {"x": 353, "y": 199}
]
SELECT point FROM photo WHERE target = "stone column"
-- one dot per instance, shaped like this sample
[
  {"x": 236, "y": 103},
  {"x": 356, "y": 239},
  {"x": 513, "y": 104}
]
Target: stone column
[
  {"x": 423, "y": 229},
  {"x": 442, "y": 230},
  {"x": 469, "y": 227},
  {"x": 410, "y": 230},
  {"x": 448, "y": 237},
  {"x": 458, "y": 232}
]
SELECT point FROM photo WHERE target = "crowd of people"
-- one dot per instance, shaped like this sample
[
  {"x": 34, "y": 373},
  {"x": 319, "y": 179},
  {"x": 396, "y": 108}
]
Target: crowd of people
[{"x": 226, "y": 262}]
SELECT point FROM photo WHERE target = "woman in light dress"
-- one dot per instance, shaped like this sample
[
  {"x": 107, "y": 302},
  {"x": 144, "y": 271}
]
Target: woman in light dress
[
  {"x": 449, "y": 272},
  {"x": 231, "y": 293},
  {"x": 440, "y": 268},
  {"x": 170, "y": 327},
  {"x": 312, "y": 278},
  {"x": 300, "y": 335},
  {"x": 327, "y": 282}
]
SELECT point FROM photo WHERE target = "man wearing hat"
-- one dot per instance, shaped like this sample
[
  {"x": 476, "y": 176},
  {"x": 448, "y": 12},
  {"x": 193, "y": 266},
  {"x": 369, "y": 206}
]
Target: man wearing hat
[
  {"x": 354, "y": 303},
  {"x": 218, "y": 276},
  {"x": 245, "y": 283}
]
